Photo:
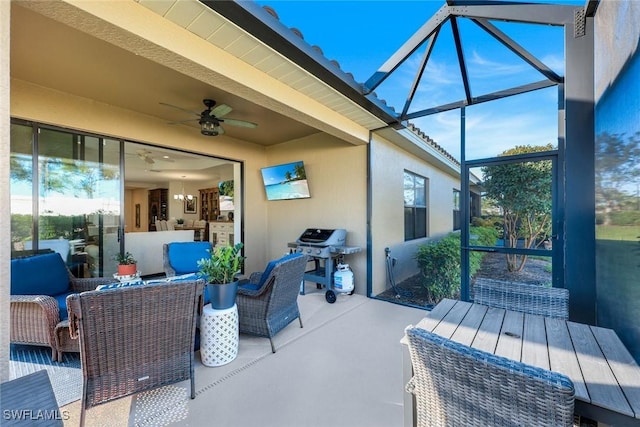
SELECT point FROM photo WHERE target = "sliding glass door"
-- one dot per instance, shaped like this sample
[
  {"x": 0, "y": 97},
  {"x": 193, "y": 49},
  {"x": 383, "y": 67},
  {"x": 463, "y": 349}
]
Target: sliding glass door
[
  {"x": 69, "y": 195},
  {"x": 66, "y": 197}
]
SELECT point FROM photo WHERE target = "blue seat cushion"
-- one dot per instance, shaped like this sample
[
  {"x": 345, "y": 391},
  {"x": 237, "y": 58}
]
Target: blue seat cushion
[
  {"x": 183, "y": 278},
  {"x": 44, "y": 274},
  {"x": 250, "y": 286},
  {"x": 62, "y": 304},
  {"x": 184, "y": 256},
  {"x": 267, "y": 271}
]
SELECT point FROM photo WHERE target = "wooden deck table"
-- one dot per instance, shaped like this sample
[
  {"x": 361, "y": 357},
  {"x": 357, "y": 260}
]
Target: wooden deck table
[{"x": 605, "y": 375}]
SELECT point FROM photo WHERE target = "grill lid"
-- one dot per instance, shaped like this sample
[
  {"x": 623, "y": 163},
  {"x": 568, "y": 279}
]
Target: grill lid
[{"x": 324, "y": 237}]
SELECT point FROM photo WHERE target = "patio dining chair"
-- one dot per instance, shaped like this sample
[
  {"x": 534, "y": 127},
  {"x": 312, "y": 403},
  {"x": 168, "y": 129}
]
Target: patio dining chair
[
  {"x": 134, "y": 339},
  {"x": 525, "y": 298},
  {"x": 456, "y": 385}
]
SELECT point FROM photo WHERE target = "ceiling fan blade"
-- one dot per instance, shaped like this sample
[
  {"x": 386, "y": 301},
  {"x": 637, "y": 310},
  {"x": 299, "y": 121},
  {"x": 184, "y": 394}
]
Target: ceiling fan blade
[
  {"x": 149, "y": 160},
  {"x": 182, "y": 121},
  {"x": 180, "y": 108},
  {"x": 220, "y": 130},
  {"x": 240, "y": 123},
  {"x": 221, "y": 110}
]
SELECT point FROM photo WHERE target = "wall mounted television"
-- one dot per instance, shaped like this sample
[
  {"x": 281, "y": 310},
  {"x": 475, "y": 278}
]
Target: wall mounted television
[{"x": 286, "y": 181}]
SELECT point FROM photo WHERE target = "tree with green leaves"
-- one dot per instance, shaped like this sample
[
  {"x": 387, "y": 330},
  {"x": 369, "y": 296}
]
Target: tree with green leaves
[
  {"x": 522, "y": 191},
  {"x": 617, "y": 170},
  {"x": 299, "y": 171},
  {"x": 226, "y": 188}
]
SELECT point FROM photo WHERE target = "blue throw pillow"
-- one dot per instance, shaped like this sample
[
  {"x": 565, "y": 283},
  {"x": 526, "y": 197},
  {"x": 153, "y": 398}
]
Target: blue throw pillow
[
  {"x": 44, "y": 274},
  {"x": 119, "y": 285},
  {"x": 184, "y": 256}
]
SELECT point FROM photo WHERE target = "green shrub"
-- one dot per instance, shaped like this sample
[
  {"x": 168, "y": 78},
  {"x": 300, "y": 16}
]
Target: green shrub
[
  {"x": 495, "y": 222},
  {"x": 439, "y": 262},
  {"x": 440, "y": 267}
]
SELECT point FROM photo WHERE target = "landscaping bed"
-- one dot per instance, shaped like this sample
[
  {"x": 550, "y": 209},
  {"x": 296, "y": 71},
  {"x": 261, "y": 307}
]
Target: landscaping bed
[{"x": 536, "y": 272}]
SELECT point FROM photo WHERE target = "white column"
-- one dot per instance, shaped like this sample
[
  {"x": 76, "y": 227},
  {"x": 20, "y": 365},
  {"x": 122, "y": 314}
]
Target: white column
[{"x": 5, "y": 197}]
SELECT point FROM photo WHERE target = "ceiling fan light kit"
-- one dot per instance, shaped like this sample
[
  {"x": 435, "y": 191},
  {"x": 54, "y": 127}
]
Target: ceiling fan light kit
[
  {"x": 209, "y": 126},
  {"x": 211, "y": 118}
]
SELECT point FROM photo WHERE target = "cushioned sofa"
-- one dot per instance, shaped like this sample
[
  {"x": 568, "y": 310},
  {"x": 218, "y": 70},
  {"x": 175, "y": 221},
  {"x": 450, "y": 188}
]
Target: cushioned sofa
[{"x": 40, "y": 285}]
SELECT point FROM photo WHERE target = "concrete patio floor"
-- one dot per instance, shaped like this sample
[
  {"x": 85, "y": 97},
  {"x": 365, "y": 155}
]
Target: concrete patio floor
[{"x": 344, "y": 368}]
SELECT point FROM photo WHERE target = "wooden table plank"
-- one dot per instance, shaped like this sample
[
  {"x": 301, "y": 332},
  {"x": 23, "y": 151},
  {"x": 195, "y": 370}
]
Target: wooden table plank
[
  {"x": 452, "y": 319},
  {"x": 487, "y": 337},
  {"x": 466, "y": 332},
  {"x": 562, "y": 356},
  {"x": 434, "y": 317},
  {"x": 510, "y": 339},
  {"x": 534, "y": 347},
  {"x": 624, "y": 367},
  {"x": 601, "y": 383}
]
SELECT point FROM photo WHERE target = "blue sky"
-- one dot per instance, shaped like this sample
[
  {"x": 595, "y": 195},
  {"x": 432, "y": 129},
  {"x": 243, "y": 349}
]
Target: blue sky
[{"x": 361, "y": 35}]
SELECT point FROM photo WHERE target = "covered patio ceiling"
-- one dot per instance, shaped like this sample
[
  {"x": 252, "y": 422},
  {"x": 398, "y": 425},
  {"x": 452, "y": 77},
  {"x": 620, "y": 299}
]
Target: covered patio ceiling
[
  {"x": 98, "y": 60},
  {"x": 83, "y": 65}
]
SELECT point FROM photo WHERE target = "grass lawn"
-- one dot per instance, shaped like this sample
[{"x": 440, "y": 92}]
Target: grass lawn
[{"x": 617, "y": 232}]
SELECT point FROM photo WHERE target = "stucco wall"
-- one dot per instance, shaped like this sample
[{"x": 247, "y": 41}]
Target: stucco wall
[
  {"x": 336, "y": 173},
  {"x": 31, "y": 102},
  {"x": 388, "y": 163}
]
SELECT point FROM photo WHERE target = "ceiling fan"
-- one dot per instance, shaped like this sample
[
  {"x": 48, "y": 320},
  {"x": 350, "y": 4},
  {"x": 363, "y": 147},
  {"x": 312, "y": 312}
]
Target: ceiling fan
[
  {"x": 210, "y": 119},
  {"x": 146, "y": 155}
]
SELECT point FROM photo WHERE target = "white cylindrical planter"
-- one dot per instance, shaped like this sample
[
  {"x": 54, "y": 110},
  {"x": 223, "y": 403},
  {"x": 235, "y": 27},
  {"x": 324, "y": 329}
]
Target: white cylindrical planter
[{"x": 219, "y": 335}]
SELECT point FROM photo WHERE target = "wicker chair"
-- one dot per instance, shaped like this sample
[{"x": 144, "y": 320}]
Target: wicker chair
[
  {"x": 180, "y": 258},
  {"x": 36, "y": 318},
  {"x": 134, "y": 339},
  {"x": 532, "y": 299},
  {"x": 456, "y": 385},
  {"x": 32, "y": 398},
  {"x": 269, "y": 300}
]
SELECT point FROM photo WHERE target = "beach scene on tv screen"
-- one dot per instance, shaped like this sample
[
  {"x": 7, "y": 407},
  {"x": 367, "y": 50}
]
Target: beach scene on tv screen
[{"x": 288, "y": 181}]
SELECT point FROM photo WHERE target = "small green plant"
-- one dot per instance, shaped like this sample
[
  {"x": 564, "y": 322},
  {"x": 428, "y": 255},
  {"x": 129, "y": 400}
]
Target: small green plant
[
  {"x": 180, "y": 221},
  {"x": 125, "y": 259},
  {"x": 223, "y": 264}
]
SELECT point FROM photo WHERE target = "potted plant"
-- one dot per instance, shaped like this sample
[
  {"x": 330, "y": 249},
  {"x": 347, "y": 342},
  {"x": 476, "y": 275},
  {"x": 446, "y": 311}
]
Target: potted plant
[
  {"x": 220, "y": 271},
  {"x": 127, "y": 264}
]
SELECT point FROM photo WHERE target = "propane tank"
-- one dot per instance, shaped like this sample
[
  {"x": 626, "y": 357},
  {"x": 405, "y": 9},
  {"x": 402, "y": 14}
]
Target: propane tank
[{"x": 343, "y": 278}]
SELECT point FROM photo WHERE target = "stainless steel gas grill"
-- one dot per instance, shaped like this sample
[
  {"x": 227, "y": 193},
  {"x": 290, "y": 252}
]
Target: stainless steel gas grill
[{"x": 326, "y": 248}]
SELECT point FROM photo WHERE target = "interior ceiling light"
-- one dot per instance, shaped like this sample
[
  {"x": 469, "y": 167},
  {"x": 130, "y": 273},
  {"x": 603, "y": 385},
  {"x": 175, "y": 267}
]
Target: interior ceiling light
[{"x": 183, "y": 196}]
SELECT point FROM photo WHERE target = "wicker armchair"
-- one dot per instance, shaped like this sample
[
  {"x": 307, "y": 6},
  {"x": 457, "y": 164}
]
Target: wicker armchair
[
  {"x": 456, "y": 385},
  {"x": 532, "y": 299},
  {"x": 36, "y": 317},
  {"x": 180, "y": 258},
  {"x": 134, "y": 339},
  {"x": 269, "y": 301}
]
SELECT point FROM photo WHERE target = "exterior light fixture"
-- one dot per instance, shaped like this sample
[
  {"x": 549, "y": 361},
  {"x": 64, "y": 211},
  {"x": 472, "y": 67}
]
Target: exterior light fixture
[{"x": 209, "y": 126}]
